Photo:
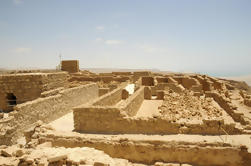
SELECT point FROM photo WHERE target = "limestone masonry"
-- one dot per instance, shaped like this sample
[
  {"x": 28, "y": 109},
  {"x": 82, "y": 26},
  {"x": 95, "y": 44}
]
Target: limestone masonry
[{"x": 74, "y": 117}]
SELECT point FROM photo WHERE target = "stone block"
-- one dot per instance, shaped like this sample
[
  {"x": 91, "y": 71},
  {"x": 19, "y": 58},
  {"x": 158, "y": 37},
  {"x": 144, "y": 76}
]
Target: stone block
[
  {"x": 125, "y": 94},
  {"x": 147, "y": 93},
  {"x": 147, "y": 81},
  {"x": 160, "y": 95},
  {"x": 71, "y": 66},
  {"x": 56, "y": 158}
]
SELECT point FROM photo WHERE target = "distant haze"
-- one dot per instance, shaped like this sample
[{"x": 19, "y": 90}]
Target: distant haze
[{"x": 210, "y": 36}]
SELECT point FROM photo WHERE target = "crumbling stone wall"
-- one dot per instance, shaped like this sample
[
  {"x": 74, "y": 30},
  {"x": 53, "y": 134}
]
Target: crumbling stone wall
[
  {"x": 45, "y": 109},
  {"x": 188, "y": 82},
  {"x": 207, "y": 85},
  {"x": 147, "y": 81},
  {"x": 29, "y": 86},
  {"x": 227, "y": 106},
  {"x": 164, "y": 86},
  {"x": 138, "y": 74},
  {"x": 148, "y": 151},
  {"x": 111, "y": 98},
  {"x": 133, "y": 103},
  {"x": 112, "y": 120},
  {"x": 122, "y": 73},
  {"x": 162, "y": 79},
  {"x": 103, "y": 91}
]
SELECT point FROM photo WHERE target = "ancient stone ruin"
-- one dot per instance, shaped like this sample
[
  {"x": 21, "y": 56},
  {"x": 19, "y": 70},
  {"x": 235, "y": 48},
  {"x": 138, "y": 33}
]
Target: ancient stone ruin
[{"x": 74, "y": 117}]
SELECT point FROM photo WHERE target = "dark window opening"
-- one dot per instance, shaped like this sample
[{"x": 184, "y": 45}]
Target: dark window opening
[{"x": 11, "y": 99}]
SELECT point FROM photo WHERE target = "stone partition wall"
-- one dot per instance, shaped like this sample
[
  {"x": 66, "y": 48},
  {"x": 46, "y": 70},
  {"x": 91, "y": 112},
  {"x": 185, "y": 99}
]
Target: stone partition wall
[
  {"x": 133, "y": 103},
  {"x": 28, "y": 86},
  {"x": 147, "y": 81},
  {"x": 110, "y": 98},
  {"x": 228, "y": 107},
  {"x": 139, "y": 74},
  {"x": 122, "y": 73},
  {"x": 119, "y": 119},
  {"x": 145, "y": 150},
  {"x": 188, "y": 82},
  {"x": 111, "y": 120},
  {"x": 46, "y": 109}
]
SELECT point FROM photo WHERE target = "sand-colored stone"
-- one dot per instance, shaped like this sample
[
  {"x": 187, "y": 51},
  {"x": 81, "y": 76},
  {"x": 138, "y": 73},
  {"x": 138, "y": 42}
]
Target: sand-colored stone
[
  {"x": 71, "y": 66},
  {"x": 125, "y": 94},
  {"x": 147, "y": 81},
  {"x": 136, "y": 116},
  {"x": 147, "y": 93}
]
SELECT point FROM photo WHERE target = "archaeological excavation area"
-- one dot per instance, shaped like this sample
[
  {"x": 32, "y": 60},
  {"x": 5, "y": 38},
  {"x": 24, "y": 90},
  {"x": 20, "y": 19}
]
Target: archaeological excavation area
[{"x": 73, "y": 117}]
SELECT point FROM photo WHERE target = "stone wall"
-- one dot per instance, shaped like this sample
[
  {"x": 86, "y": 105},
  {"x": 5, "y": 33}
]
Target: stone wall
[
  {"x": 103, "y": 91},
  {"x": 227, "y": 106},
  {"x": 45, "y": 109},
  {"x": 188, "y": 82},
  {"x": 105, "y": 79},
  {"x": 162, "y": 79},
  {"x": 71, "y": 66},
  {"x": 146, "y": 150},
  {"x": 133, "y": 103},
  {"x": 207, "y": 85},
  {"x": 147, "y": 81},
  {"x": 113, "y": 119},
  {"x": 164, "y": 86},
  {"x": 138, "y": 74},
  {"x": 27, "y": 87},
  {"x": 122, "y": 73},
  {"x": 110, "y": 98},
  {"x": 247, "y": 102}
]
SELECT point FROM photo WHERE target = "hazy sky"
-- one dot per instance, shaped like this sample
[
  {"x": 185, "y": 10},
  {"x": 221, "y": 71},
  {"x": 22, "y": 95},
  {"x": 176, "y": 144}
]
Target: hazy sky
[{"x": 209, "y": 36}]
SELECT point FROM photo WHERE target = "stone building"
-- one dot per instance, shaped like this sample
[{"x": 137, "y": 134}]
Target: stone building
[
  {"x": 19, "y": 88},
  {"x": 71, "y": 66}
]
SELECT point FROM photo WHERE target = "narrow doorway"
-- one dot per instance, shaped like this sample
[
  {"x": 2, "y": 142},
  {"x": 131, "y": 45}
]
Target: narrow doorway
[{"x": 11, "y": 101}]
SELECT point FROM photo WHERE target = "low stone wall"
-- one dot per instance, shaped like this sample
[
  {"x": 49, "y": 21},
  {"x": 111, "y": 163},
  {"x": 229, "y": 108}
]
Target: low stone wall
[
  {"x": 147, "y": 81},
  {"x": 119, "y": 119},
  {"x": 133, "y": 103},
  {"x": 207, "y": 85},
  {"x": 147, "y": 151},
  {"x": 122, "y": 73},
  {"x": 28, "y": 86},
  {"x": 45, "y": 109},
  {"x": 162, "y": 79},
  {"x": 188, "y": 82},
  {"x": 163, "y": 86},
  {"x": 103, "y": 91},
  {"x": 105, "y": 79},
  {"x": 110, "y": 98},
  {"x": 227, "y": 106}
]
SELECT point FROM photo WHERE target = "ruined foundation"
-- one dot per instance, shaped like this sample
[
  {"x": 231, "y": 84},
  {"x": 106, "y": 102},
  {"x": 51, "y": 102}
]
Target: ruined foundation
[{"x": 133, "y": 117}]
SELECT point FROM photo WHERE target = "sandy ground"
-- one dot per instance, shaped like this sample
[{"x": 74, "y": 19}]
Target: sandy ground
[
  {"x": 65, "y": 123},
  {"x": 149, "y": 108}
]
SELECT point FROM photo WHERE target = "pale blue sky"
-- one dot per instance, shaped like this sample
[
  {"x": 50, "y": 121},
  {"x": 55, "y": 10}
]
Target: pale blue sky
[{"x": 209, "y": 36}]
